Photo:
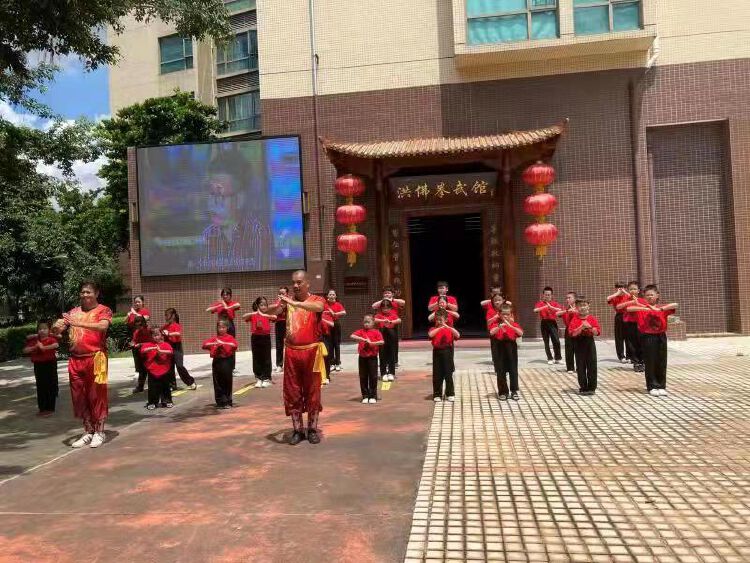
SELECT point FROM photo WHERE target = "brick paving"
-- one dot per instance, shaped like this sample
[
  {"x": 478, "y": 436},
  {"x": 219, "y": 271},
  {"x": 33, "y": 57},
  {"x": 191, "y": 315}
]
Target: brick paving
[{"x": 620, "y": 476}]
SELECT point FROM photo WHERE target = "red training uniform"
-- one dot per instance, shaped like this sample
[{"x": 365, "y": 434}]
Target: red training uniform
[
  {"x": 505, "y": 332},
  {"x": 157, "y": 357},
  {"x": 385, "y": 320},
  {"x": 615, "y": 301},
  {"x": 142, "y": 312},
  {"x": 577, "y": 321},
  {"x": 653, "y": 322},
  {"x": 281, "y": 315},
  {"x": 42, "y": 356},
  {"x": 225, "y": 350},
  {"x": 259, "y": 323},
  {"x": 173, "y": 327},
  {"x": 363, "y": 348},
  {"x": 451, "y": 300},
  {"x": 632, "y": 317},
  {"x": 443, "y": 338},
  {"x": 547, "y": 314},
  {"x": 567, "y": 316},
  {"x": 224, "y": 307}
]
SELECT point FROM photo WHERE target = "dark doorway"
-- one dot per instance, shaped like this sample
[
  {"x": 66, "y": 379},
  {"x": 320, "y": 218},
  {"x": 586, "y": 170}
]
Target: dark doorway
[{"x": 450, "y": 248}]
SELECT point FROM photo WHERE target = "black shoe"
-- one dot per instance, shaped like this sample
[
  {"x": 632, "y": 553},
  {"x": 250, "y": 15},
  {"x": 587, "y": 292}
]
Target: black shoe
[
  {"x": 514, "y": 396},
  {"x": 313, "y": 437},
  {"x": 296, "y": 438}
]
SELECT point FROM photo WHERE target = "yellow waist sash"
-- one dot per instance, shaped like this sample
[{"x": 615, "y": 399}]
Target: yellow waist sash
[
  {"x": 319, "y": 366},
  {"x": 100, "y": 368}
]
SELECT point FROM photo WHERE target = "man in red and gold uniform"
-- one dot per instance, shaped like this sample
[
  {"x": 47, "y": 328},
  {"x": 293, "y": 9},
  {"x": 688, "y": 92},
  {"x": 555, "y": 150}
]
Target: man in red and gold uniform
[
  {"x": 87, "y": 327},
  {"x": 304, "y": 364}
]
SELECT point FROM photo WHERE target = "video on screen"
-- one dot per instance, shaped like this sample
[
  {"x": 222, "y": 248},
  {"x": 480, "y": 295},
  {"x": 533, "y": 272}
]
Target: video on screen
[{"x": 221, "y": 207}]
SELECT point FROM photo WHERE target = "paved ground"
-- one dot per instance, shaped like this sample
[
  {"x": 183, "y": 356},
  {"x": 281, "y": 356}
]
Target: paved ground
[{"x": 556, "y": 477}]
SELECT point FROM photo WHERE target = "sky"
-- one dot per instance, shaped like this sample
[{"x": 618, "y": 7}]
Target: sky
[{"x": 72, "y": 94}]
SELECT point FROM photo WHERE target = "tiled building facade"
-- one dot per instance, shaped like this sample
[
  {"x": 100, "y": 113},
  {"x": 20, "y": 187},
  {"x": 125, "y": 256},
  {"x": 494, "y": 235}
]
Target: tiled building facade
[{"x": 652, "y": 179}]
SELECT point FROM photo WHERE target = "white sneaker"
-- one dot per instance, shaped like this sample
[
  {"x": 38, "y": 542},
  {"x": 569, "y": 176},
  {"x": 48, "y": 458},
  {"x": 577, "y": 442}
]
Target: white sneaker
[
  {"x": 97, "y": 440},
  {"x": 365, "y": 401},
  {"x": 663, "y": 392},
  {"x": 373, "y": 401},
  {"x": 258, "y": 384},
  {"x": 267, "y": 383},
  {"x": 570, "y": 371},
  {"x": 438, "y": 400},
  {"x": 193, "y": 387},
  {"x": 451, "y": 399},
  {"x": 624, "y": 361},
  {"x": 388, "y": 377},
  {"x": 326, "y": 382},
  {"x": 550, "y": 362},
  {"x": 558, "y": 361},
  {"x": 654, "y": 393},
  {"x": 82, "y": 441}
]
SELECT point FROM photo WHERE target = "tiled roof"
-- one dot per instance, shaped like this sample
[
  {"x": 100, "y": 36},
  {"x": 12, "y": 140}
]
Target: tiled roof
[{"x": 445, "y": 145}]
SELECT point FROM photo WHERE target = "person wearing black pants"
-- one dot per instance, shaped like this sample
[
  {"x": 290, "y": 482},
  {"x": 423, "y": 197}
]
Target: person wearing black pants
[
  {"x": 547, "y": 309},
  {"x": 442, "y": 336},
  {"x": 567, "y": 314},
  {"x": 336, "y": 311},
  {"x": 172, "y": 331},
  {"x": 397, "y": 305},
  {"x": 369, "y": 341},
  {"x": 42, "y": 351},
  {"x": 222, "y": 349},
  {"x": 619, "y": 296},
  {"x": 179, "y": 367},
  {"x": 652, "y": 325},
  {"x": 158, "y": 358},
  {"x": 630, "y": 324},
  {"x": 326, "y": 336},
  {"x": 141, "y": 335},
  {"x": 280, "y": 327},
  {"x": 387, "y": 320},
  {"x": 583, "y": 328},
  {"x": 261, "y": 347},
  {"x": 504, "y": 331}
]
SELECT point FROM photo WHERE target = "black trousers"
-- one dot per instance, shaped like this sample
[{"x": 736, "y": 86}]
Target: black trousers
[
  {"x": 140, "y": 368},
  {"x": 494, "y": 345},
  {"x": 260, "y": 344},
  {"x": 550, "y": 332},
  {"x": 327, "y": 340},
  {"x": 586, "y": 360},
  {"x": 279, "y": 334},
  {"x": 387, "y": 351},
  {"x": 398, "y": 336},
  {"x": 507, "y": 359},
  {"x": 442, "y": 372},
  {"x": 633, "y": 342},
  {"x": 233, "y": 331},
  {"x": 620, "y": 337},
  {"x": 368, "y": 377},
  {"x": 335, "y": 351},
  {"x": 570, "y": 351},
  {"x": 221, "y": 369},
  {"x": 159, "y": 389},
  {"x": 655, "y": 360},
  {"x": 179, "y": 367},
  {"x": 45, "y": 374}
]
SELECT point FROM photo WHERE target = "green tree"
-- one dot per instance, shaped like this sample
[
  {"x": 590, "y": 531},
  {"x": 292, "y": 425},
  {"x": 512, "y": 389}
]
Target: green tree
[{"x": 157, "y": 121}]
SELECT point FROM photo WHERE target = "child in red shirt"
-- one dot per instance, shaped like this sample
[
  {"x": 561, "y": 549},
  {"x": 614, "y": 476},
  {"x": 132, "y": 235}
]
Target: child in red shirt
[
  {"x": 621, "y": 294},
  {"x": 442, "y": 291},
  {"x": 337, "y": 311},
  {"x": 630, "y": 322},
  {"x": 158, "y": 357},
  {"x": 492, "y": 314},
  {"x": 387, "y": 320},
  {"x": 652, "y": 325},
  {"x": 504, "y": 330},
  {"x": 172, "y": 331},
  {"x": 370, "y": 340},
  {"x": 279, "y": 330},
  {"x": 444, "y": 303},
  {"x": 398, "y": 306},
  {"x": 442, "y": 336},
  {"x": 567, "y": 314},
  {"x": 41, "y": 349},
  {"x": 222, "y": 349},
  {"x": 583, "y": 328},
  {"x": 547, "y": 309},
  {"x": 141, "y": 334},
  {"x": 226, "y": 309},
  {"x": 260, "y": 341},
  {"x": 327, "y": 325},
  {"x": 138, "y": 311}
]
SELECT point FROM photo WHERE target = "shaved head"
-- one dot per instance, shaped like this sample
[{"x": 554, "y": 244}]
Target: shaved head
[{"x": 300, "y": 285}]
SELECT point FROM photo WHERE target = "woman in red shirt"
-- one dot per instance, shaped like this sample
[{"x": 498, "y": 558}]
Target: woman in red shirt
[
  {"x": 442, "y": 336},
  {"x": 369, "y": 340},
  {"x": 42, "y": 351},
  {"x": 327, "y": 324},
  {"x": 158, "y": 358},
  {"x": 387, "y": 320},
  {"x": 222, "y": 349},
  {"x": 172, "y": 331},
  {"x": 337, "y": 311},
  {"x": 137, "y": 311},
  {"x": 141, "y": 335},
  {"x": 260, "y": 341}
]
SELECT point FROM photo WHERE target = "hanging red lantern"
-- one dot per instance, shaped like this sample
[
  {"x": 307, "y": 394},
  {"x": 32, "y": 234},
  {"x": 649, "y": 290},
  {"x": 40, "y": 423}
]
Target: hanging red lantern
[
  {"x": 541, "y": 235},
  {"x": 351, "y": 214},
  {"x": 540, "y": 204},
  {"x": 349, "y": 186},
  {"x": 539, "y": 175},
  {"x": 352, "y": 244}
]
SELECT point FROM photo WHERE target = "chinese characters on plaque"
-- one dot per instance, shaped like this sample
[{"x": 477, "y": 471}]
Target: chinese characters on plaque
[
  {"x": 495, "y": 253},
  {"x": 442, "y": 189},
  {"x": 397, "y": 257}
]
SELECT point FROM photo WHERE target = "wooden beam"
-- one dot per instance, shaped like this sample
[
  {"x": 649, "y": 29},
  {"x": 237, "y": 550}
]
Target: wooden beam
[
  {"x": 381, "y": 210},
  {"x": 508, "y": 233}
]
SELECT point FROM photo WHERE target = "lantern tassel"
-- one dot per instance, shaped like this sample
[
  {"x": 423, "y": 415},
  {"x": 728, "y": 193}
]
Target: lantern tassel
[
  {"x": 541, "y": 251},
  {"x": 351, "y": 258}
]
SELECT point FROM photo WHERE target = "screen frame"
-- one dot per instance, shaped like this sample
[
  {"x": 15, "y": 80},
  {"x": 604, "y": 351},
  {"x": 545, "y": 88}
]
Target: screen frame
[{"x": 213, "y": 142}]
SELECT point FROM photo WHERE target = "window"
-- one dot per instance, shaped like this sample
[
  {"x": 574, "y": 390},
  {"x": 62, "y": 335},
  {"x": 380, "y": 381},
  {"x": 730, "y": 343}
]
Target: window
[
  {"x": 603, "y": 16},
  {"x": 240, "y": 54},
  {"x": 242, "y": 111},
  {"x": 239, "y": 5},
  {"x": 500, "y": 21},
  {"x": 175, "y": 53}
]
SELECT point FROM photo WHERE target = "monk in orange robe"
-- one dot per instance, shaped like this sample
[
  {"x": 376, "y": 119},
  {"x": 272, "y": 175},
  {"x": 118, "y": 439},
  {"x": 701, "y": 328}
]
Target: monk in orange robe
[
  {"x": 87, "y": 327},
  {"x": 304, "y": 364}
]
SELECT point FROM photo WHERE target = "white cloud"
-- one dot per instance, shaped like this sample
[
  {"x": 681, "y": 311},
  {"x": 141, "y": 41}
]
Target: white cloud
[{"x": 8, "y": 113}]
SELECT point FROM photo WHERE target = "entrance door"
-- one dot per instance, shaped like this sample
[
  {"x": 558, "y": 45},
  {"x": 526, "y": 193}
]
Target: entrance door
[{"x": 449, "y": 248}]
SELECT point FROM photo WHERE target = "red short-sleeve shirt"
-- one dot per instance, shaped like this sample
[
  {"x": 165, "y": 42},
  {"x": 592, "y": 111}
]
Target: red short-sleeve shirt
[
  {"x": 42, "y": 356},
  {"x": 225, "y": 308},
  {"x": 336, "y": 307},
  {"x": 632, "y": 317},
  {"x": 281, "y": 315},
  {"x": 653, "y": 322},
  {"x": 505, "y": 332},
  {"x": 173, "y": 327},
  {"x": 157, "y": 358},
  {"x": 303, "y": 327},
  {"x": 616, "y": 300},
  {"x": 259, "y": 323},
  {"x": 577, "y": 321},
  {"x": 86, "y": 341},
  {"x": 385, "y": 320},
  {"x": 363, "y": 348},
  {"x": 142, "y": 312},
  {"x": 222, "y": 350},
  {"x": 443, "y": 338},
  {"x": 547, "y": 314},
  {"x": 141, "y": 336},
  {"x": 567, "y": 316},
  {"x": 451, "y": 300}
]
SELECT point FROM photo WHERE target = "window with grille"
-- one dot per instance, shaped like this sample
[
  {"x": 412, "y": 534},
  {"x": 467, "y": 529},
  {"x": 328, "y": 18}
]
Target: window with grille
[
  {"x": 502, "y": 21},
  {"x": 238, "y": 5},
  {"x": 239, "y": 54},
  {"x": 604, "y": 16},
  {"x": 175, "y": 53},
  {"x": 241, "y": 112}
]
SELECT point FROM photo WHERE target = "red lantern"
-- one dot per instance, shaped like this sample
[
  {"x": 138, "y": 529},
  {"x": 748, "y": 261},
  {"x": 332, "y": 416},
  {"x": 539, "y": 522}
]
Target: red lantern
[
  {"x": 351, "y": 214},
  {"x": 352, "y": 244},
  {"x": 541, "y": 235},
  {"x": 540, "y": 204},
  {"x": 539, "y": 175},
  {"x": 349, "y": 185}
]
